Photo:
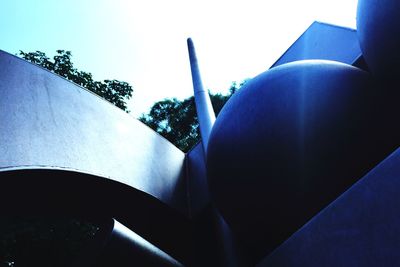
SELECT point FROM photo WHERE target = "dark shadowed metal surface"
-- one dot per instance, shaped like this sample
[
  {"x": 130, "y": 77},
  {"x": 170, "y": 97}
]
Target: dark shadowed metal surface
[
  {"x": 360, "y": 228},
  {"x": 61, "y": 193},
  {"x": 212, "y": 241},
  {"x": 292, "y": 140},
  {"x": 47, "y": 121},
  {"x": 197, "y": 185}
]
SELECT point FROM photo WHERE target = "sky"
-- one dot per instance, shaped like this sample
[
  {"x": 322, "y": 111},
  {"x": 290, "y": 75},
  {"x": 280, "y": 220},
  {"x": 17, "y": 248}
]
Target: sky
[{"x": 144, "y": 42}]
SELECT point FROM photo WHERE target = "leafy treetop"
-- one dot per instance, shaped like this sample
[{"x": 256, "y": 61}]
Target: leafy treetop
[
  {"x": 116, "y": 92},
  {"x": 177, "y": 121}
]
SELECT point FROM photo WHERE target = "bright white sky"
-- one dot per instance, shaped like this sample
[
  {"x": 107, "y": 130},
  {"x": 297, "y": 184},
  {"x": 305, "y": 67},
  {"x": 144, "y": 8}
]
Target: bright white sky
[{"x": 144, "y": 42}]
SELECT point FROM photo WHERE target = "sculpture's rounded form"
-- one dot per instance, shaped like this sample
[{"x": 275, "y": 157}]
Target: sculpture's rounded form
[
  {"x": 378, "y": 27},
  {"x": 291, "y": 141}
]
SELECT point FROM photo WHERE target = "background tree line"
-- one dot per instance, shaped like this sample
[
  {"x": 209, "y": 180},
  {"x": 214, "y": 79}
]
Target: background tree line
[{"x": 177, "y": 121}]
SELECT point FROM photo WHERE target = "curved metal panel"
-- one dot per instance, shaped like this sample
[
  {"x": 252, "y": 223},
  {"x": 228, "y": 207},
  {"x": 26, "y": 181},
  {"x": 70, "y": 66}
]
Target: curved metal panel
[{"x": 47, "y": 121}]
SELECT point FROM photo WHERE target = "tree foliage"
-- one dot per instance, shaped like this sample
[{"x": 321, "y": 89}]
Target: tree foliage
[
  {"x": 177, "y": 121},
  {"x": 115, "y": 91}
]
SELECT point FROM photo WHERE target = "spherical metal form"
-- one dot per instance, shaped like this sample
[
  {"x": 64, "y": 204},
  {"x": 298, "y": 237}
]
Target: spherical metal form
[
  {"x": 378, "y": 27},
  {"x": 291, "y": 141}
]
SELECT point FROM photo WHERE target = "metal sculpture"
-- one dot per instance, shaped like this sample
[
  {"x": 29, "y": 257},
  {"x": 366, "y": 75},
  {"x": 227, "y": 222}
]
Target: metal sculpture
[
  {"x": 285, "y": 146},
  {"x": 296, "y": 137}
]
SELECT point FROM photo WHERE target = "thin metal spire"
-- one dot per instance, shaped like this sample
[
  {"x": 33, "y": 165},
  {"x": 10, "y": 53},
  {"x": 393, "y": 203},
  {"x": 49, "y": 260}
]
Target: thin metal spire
[{"x": 205, "y": 111}]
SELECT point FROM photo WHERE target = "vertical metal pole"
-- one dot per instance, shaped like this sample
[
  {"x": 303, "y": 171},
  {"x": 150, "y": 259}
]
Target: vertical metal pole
[{"x": 205, "y": 111}]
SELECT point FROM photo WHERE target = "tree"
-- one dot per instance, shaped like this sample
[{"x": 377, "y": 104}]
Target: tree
[
  {"x": 176, "y": 120},
  {"x": 114, "y": 91}
]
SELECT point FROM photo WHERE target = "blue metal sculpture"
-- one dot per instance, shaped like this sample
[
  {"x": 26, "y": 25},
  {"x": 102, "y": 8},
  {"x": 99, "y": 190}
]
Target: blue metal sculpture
[
  {"x": 280, "y": 158},
  {"x": 296, "y": 137}
]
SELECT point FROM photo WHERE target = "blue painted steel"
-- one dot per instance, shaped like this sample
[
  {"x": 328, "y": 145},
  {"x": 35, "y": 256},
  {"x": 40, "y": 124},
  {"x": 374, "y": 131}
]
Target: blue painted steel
[
  {"x": 286, "y": 145},
  {"x": 205, "y": 111},
  {"x": 292, "y": 140},
  {"x": 360, "y": 228},
  {"x": 324, "y": 41},
  {"x": 378, "y": 24},
  {"x": 197, "y": 185}
]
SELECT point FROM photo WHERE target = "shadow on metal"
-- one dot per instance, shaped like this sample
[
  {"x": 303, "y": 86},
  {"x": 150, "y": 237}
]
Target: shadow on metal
[
  {"x": 65, "y": 193},
  {"x": 360, "y": 228}
]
